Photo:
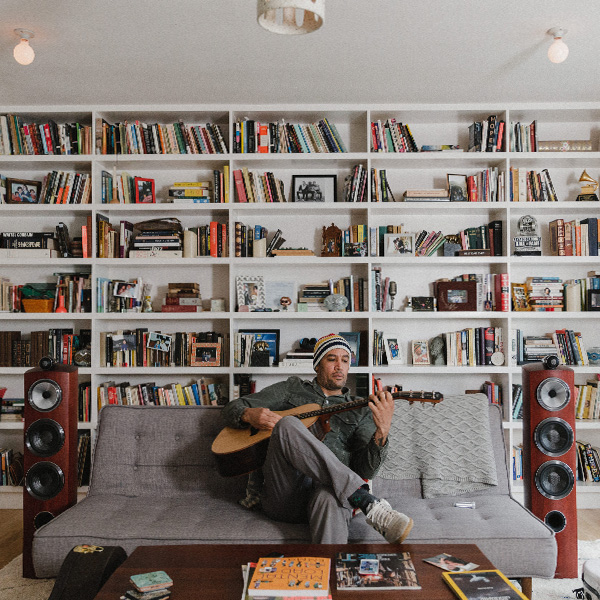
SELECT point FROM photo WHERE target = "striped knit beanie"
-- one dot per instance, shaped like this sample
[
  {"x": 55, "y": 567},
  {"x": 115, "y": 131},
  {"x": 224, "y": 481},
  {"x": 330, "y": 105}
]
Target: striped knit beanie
[{"x": 327, "y": 343}]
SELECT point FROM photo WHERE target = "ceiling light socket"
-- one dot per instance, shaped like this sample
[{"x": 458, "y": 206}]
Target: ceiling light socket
[
  {"x": 24, "y": 34},
  {"x": 557, "y": 32}
]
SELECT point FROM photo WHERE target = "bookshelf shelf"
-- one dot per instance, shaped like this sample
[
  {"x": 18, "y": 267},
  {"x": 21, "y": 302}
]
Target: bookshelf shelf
[{"x": 301, "y": 224}]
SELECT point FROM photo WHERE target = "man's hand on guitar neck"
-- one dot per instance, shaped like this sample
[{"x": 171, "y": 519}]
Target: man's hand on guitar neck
[
  {"x": 260, "y": 418},
  {"x": 382, "y": 407}
]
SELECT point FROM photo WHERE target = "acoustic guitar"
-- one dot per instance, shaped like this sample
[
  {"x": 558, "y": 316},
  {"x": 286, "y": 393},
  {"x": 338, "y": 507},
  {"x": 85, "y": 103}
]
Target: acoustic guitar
[{"x": 239, "y": 451}]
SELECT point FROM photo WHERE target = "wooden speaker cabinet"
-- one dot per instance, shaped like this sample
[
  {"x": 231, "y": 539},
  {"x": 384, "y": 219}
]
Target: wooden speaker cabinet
[
  {"x": 50, "y": 448},
  {"x": 550, "y": 455}
]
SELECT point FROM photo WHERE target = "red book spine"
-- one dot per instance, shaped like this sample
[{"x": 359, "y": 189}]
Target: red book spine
[
  {"x": 239, "y": 185},
  {"x": 214, "y": 251}
]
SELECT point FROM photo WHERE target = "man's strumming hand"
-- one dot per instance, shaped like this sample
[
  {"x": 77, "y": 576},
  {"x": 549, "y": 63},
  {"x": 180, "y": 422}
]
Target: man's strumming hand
[
  {"x": 260, "y": 418},
  {"x": 382, "y": 407}
]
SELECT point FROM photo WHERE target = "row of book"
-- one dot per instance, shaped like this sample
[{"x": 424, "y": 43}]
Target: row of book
[
  {"x": 486, "y": 186},
  {"x": 312, "y": 295},
  {"x": 473, "y": 346},
  {"x": 156, "y": 138},
  {"x": 487, "y": 135},
  {"x": 59, "y": 344},
  {"x": 531, "y": 186},
  {"x": 21, "y": 138},
  {"x": 391, "y": 136},
  {"x": 577, "y": 237},
  {"x": 84, "y": 458},
  {"x": 567, "y": 344},
  {"x": 255, "y": 137},
  {"x": 355, "y": 185},
  {"x": 383, "y": 291},
  {"x": 205, "y": 391},
  {"x": 524, "y": 138},
  {"x": 64, "y": 187},
  {"x": 144, "y": 348},
  {"x": 11, "y": 409},
  {"x": 11, "y": 467},
  {"x": 118, "y": 295},
  {"x": 251, "y": 186},
  {"x": 206, "y": 240},
  {"x": 587, "y": 403}
]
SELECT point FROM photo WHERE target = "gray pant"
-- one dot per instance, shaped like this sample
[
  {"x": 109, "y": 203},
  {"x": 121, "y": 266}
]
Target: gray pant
[{"x": 304, "y": 480}]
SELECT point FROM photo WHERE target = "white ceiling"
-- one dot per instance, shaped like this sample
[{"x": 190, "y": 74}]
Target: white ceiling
[{"x": 196, "y": 51}]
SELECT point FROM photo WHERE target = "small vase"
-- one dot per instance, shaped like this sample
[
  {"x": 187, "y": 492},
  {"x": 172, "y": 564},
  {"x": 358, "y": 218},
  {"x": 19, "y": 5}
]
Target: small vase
[{"x": 61, "y": 304}]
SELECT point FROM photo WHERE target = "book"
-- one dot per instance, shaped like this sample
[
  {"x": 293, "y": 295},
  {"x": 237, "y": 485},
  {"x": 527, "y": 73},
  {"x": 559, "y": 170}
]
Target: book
[
  {"x": 381, "y": 571},
  {"x": 161, "y": 594},
  {"x": 450, "y": 563},
  {"x": 147, "y": 582},
  {"x": 478, "y": 585},
  {"x": 291, "y": 576}
]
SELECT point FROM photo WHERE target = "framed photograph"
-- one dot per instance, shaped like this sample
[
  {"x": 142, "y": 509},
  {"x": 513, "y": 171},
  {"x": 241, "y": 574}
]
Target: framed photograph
[
  {"x": 422, "y": 303},
  {"x": 271, "y": 337},
  {"x": 519, "y": 297},
  {"x": 457, "y": 188},
  {"x": 250, "y": 291},
  {"x": 22, "y": 191},
  {"x": 205, "y": 354},
  {"x": 159, "y": 341},
  {"x": 123, "y": 342},
  {"x": 593, "y": 300},
  {"x": 280, "y": 295},
  {"x": 125, "y": 290},
  {"x": 144, "y": 191},
  {"x": 396, "y": 244},
  {"x": 420, "y": 352},
  {"x": 393, "y": 350},
  {"x": 456, "y": 295},
  {"x": 314, "y": 188},
  {"x": 332, "y": 241},
  {"x": 353, "y": 338}
]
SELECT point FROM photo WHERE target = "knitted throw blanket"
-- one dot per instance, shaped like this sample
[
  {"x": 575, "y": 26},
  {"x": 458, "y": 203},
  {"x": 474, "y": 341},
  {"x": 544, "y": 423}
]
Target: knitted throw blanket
[{"x": 447, "y": 445}]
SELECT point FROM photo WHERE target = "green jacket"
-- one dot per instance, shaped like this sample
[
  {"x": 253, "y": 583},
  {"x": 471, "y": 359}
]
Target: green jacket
[{"x": 351, "y": 435}]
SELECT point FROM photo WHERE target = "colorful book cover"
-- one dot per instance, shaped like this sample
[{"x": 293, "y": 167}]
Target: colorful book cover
[
  {"x": 155, "y": 580},
  {"x": 450, "y": 563},
  {"x": 385, "y": 571},
  {"x": 479, "y": 585},
  {"x": 290, "y": 576}
]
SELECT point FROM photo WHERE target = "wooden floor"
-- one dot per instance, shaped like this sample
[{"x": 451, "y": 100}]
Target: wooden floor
[{"x": 11, "y": 529}]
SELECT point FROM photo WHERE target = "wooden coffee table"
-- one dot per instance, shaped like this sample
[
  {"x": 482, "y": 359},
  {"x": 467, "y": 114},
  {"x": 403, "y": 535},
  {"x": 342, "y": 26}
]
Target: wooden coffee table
[{"x": 214, "y": 571}]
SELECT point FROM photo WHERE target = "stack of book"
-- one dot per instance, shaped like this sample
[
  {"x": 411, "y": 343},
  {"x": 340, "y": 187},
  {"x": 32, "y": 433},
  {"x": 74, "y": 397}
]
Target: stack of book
[
  {"x": 150, "y": 586},
  {"x": 196, "y": 192},
  {"x": 391, "y": 136},
  {"x": 434, "y": 195},
  {"x": 11, "y": 409},
  {"x": 297, "y": 358},
  {"x": 536, "y": 348},
  {"x": 312, "y": 297},
  {"x": 545, "y": 293},
  {"x": 26, "y": 244},
  {"x": 183, "y": 297},
  {"x": 163, "y": 237}
]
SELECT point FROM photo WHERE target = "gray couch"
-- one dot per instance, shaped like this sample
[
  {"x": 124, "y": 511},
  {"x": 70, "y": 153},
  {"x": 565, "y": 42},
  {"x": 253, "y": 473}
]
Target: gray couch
[{"x": 154, "y": 482}]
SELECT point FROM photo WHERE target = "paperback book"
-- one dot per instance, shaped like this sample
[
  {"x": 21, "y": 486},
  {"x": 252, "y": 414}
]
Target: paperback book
[
  {"x": 481, "y": 585},
  {"x": 382, "y": 571}
]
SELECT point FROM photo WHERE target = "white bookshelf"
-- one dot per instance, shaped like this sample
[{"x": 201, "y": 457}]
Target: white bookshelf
[{"x": 301, "y": 225}]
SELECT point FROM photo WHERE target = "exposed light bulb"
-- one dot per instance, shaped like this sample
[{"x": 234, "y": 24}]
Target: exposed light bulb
[
  {"x": 23, "y": 52},
  {"x": 291, "y": 17},
  {"x": 558, "y": 50}
]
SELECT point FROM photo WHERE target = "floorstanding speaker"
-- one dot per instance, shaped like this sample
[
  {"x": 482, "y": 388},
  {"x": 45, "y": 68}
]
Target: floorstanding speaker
[
  {"x": 550, "y": 455},
  {"x": 50, "y": 448}
]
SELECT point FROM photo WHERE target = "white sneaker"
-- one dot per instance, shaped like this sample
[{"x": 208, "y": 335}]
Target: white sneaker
[{"x": 391, "y": 524}]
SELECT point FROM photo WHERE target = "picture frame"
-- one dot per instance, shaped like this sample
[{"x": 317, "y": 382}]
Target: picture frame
[
  {"x": 423, "y": 303},
  {"x": 22, "y": 191},
  {"x": 125, "y": 289},
  {"x": 420, "y": 352},
  {"x": 456, "y": 296},
  {"x": 593, "y": 300},
  {"x": 159, "y": 341},
  {"x": 519, "y": 297},
  {"x": 393, "y": 349},
  {"x": 353, "y": 338},
  {"x": 399, "y": 244},
  {"x": 271, "y": 337},
  {"x": 205, "y": 354},
  {"x": 457, "y": 187},
  {"x": 314, "y": 188},
  {"x": 281, "y": 295},
  {"x": 332, "y": 241},
  {"x": 144, "y": 190},
  {"x": 250, "y": 292}
]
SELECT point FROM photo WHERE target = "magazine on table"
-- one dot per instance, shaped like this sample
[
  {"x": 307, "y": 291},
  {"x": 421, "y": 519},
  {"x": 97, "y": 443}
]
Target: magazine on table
[
  {"x": 450, "y": 563},
  {"x": 482, "y": 585},
  {"x": 381, "y": 571}
]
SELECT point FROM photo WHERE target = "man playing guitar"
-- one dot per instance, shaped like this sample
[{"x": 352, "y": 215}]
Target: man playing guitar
[{"x": 321, "y": 482}]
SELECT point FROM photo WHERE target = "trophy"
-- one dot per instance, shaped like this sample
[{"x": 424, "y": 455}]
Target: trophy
[
  {"x": 528, "y": 242},
  {"x": 588, "y": 188}
]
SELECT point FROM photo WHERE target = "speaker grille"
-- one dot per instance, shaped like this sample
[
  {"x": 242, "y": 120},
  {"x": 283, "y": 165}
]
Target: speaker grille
[
  {"x": 553, "y": 436},
  {"x": 44, "y": 395},
  {"x": 44, "y": 437},
  {"x": 44, "y": 480},
  {"x": 554, "y": 479},
  {"x": 553, "y": 393}
]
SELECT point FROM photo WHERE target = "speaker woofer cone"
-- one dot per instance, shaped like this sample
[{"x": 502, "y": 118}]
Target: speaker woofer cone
[
  {"x": 553, "y": 393},
  {"x": 554, "y": 479},
  {"x": 553, "y": 436},
  {"x": 44, "y": 395},
  {"x": 44, "y": 437},
  {"x": 44, "y": 480},
  {"x": 555, "y": 520},
  {"x": 42, "y": 518}
]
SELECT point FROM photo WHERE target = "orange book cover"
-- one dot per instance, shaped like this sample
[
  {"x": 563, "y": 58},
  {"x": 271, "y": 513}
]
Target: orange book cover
[{"x": 291, "y": 576}]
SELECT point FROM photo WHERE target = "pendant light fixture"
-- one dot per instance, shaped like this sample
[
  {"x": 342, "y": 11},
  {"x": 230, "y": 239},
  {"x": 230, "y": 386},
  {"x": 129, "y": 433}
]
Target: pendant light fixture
[
  {"x": 291, "y": 17},
  {"x": 23, "y": 52}
]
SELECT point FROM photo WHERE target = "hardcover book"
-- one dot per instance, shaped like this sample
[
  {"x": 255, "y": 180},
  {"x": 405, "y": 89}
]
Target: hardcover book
[
  {"x": 382, "y": 571},
  {"x": 479, "y": 585},
  {"x": 155, "y": 580}
]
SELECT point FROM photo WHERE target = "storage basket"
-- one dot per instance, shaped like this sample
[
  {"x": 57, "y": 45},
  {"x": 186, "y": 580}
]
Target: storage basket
[{"x": 37, "y": 305}]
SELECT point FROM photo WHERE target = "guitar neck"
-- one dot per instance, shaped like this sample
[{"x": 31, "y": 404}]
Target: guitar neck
[{"x": 425, "y": 397}]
